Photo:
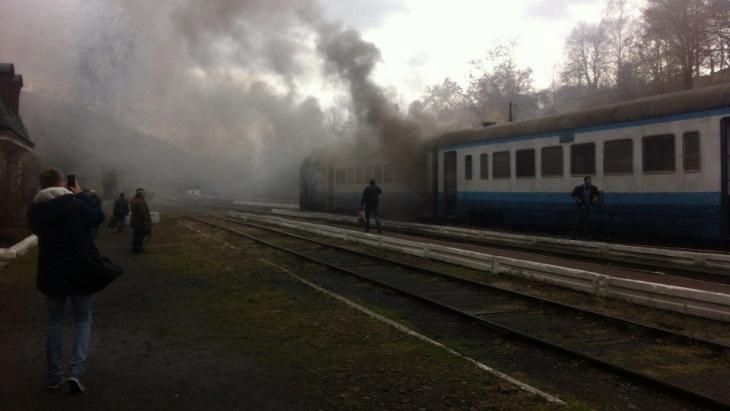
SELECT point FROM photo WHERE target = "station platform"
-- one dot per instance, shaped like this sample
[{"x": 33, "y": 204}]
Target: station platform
[
  {"x": 617, "y": 280},
  {"x": 194, "y": 324}
]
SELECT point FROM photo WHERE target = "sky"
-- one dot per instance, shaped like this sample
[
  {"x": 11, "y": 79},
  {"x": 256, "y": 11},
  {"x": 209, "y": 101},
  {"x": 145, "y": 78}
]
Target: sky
[
  {"x": 265, "y": 83},
  {"x": 424, "y": 41}
]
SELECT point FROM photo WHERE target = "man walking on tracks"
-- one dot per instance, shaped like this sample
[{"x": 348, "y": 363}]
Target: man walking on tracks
[
  {"x": 585, "y": 196},
  {"x": 121, "y": 209},
  {"x": 141, "y": 221},
  {"x": 62, "y": 217},
  {"x": 371, "y": 202}
]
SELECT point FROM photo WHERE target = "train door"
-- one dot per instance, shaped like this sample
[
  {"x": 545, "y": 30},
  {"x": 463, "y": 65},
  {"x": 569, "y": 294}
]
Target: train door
[
  {"x": 450, "y": 188},
  {"x": 725, "y": 150}
]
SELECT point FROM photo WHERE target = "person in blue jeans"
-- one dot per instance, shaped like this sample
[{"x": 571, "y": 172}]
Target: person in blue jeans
[
  {"x": 371, "y": 202},
  {"x": 62, "y": 217}
]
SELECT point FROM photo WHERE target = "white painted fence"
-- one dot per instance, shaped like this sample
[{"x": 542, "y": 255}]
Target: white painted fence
[
  {"x": 667, "y": 297},
  {"x": 706, "y": 262}
]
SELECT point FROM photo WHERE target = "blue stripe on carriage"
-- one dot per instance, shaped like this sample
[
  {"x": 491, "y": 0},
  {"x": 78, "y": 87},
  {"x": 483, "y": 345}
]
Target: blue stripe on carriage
[{"x": 669, "y": 199}]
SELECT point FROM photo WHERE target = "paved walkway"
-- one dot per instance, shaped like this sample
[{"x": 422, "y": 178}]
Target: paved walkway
[{"x": 132, "y": 365}]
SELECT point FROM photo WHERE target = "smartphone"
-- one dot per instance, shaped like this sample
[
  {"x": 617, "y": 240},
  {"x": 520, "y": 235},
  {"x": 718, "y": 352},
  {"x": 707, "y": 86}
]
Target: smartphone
[{"x": 71, "y": 180}]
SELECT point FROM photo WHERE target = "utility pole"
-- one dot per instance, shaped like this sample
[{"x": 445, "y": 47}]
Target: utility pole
[{"x": 510, "y": 112}]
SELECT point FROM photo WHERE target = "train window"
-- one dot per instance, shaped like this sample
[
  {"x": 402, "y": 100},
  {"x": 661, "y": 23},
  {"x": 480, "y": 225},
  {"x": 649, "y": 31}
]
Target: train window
[
  {"x": 618, "y": 157},
  {"x": 583, "y": 159},
  {"x": 501, "y": 165},
  {"x": 467, "y": 168},
  {"x": 388, "y": 172},
  {"x": 691, "y": 145},
  {"x": 359, "y": 175},
  {"x": 484, "y": 166},
  {"x": 378, "y": 174},
  {"x": 552, "y": 161},
  {"x": 658, "y": 153},
  {"x": 525, "y": 163}
]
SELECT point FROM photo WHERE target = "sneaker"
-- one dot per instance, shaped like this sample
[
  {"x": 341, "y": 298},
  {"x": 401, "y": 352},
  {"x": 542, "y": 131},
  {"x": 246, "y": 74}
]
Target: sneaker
[
  {"x": 75, "y": 386},
  {"x": 56, "y": 386}
]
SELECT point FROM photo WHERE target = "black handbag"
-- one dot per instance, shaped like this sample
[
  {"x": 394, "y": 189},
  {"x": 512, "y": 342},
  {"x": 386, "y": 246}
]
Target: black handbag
[{"x": 93, "y": 272}]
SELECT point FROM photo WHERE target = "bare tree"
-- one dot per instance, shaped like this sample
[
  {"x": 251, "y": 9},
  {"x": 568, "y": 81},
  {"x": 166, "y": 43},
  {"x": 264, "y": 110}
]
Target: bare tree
[
  {"x": 681, "y": 29},
  {"x": 497, "y": 83},
  {"x": 621, "y": 30},
  {"x": 587, "y": 50},
  {"x": 446, "y": 101},
  {"x": 719, "y": 30}
]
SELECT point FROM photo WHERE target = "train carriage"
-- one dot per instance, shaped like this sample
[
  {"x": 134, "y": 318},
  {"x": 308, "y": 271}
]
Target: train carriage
[
  {"x": 333, "y": 180},
  {"x": 661, "y": 162}
]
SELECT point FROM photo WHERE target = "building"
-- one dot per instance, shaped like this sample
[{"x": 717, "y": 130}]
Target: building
[
  {"x": 13, "y": 134},
  {"x": 18, "y": 164}
]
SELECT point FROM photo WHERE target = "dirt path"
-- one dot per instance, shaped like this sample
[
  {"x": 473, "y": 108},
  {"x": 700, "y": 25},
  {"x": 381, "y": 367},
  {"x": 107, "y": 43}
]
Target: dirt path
[{"x": 194, "y": 325}]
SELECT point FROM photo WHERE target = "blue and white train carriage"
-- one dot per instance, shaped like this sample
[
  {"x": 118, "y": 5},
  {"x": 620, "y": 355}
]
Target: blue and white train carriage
[{"x": 661, "y": 162}]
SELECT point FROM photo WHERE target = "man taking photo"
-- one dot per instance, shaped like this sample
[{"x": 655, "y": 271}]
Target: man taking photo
[{"x": 62, "y": 217}]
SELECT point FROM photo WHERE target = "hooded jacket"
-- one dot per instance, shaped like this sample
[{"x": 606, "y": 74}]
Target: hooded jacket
[{"x": 62, "y": 223}]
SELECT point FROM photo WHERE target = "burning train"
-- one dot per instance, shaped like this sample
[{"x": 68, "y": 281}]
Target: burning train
[{"x": 662, "y": 164}]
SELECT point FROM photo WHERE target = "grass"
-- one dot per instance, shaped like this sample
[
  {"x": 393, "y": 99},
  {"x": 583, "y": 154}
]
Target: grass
[{"x": 344, "y": 358}]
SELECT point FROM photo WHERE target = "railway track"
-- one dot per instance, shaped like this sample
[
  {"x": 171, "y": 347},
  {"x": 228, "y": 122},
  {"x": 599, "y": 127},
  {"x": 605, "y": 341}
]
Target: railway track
[
  {"x": 689, "y": 367},
  {"x": 698, "y": 264}
]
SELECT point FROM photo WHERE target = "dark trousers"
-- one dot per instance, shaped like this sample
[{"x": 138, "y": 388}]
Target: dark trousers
[
  {"x": 137, "y": 238},
  {"x": 375, "y": 212},
  {"x": 120, "y": 223},
  {"x": 583, "y": 222}
]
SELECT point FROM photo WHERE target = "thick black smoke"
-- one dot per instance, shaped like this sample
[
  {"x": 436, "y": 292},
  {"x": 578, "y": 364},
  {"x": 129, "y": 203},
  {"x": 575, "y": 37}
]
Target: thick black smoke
[{"x": 224, "y": 79}]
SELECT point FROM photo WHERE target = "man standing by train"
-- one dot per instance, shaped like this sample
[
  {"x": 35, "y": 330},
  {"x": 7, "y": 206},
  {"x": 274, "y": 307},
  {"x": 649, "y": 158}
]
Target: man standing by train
[
  {"x": 140, "y": 221},
  {"x": 371, "y": 202},
  {"x": 585, "y": 196}
]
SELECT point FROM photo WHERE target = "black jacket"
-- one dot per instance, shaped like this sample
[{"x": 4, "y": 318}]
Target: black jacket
[
  {"x": 370, "y": 197},
  {"x": 577, "y": 194},
  {"x": 62, "y": 223},
  {"x": 121, "y": 207}
]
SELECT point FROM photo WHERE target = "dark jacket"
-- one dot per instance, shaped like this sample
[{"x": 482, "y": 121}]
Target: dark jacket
[
  {"x": 121, "y": 207},
  {"x": 62, "y": 223},
  {"x": 371, "y": 197},
  {"x": 140, "y": 214},
  {"x": 578, "y": 195}
]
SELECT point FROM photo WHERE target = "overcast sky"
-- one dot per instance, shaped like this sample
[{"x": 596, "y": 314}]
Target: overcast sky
[{"x": 424, "y": 41}]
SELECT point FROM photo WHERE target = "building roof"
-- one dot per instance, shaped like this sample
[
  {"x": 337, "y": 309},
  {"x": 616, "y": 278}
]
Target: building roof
[
  {"x": 9, "y": 121},
  {"x": 7, "y": 69},
  {"x": 702, "y": 99}
]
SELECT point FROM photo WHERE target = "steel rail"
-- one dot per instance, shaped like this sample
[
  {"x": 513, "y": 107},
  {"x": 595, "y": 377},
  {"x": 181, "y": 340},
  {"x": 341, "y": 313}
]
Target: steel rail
[
  {"x": 657, "y": 331},
  {"x": 637, "y": 375}
]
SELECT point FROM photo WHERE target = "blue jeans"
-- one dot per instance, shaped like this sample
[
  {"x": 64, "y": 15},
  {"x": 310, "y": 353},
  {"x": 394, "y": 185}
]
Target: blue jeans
[
  {"x": 82, "y": 333},
  {"x": 375, "y": 212}
]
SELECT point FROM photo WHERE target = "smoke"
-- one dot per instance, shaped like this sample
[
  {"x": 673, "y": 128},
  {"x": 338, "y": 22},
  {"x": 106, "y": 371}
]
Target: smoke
[
  {"x": 243, "y": 85},
  {"x": 352, "y": 59}
]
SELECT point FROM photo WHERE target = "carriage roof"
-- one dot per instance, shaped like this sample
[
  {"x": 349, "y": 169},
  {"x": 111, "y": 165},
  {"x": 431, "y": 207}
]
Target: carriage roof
[{"x": 664, "y": 105}]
